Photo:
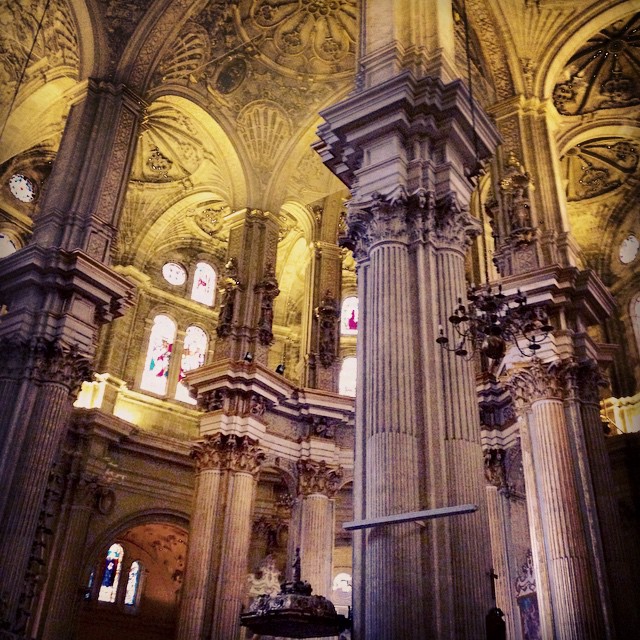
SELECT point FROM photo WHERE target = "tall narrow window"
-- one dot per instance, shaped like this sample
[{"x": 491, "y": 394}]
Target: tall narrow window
[
  {"x": 348, "y": 377},
  {"x": 111, "y": 574},
  {"x": 349, "y": 316},
  {"x": 204, "y": 283},
  {"x": 193, "y": 355},
  {"x": 156, "y": 368},
  {"x": 133, "y": 584},
  {"x": 635, "y": 319}
]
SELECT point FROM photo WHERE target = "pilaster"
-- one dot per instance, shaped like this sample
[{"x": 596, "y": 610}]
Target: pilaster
[{"x": 248, "y": 288}]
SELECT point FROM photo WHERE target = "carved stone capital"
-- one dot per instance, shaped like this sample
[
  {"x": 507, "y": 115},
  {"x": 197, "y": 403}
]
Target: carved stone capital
[
  {"x": 322, "y": 427},
  {"x": 318, "y": 477},
  {"x": 538, "y": 381},
  {"x": 46, "y": 361},
  {"x": 584, "y": 381},
  {"x": 227, "y": 452},
  {"x": 404, "y": 218}
]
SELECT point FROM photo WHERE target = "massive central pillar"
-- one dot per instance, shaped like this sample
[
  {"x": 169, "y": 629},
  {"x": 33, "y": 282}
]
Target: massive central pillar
[{"x": 405, "y": 143}]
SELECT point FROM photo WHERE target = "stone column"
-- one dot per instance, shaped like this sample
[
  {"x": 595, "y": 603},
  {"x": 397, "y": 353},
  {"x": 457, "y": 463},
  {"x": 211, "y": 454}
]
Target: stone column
[
  {"x": 226, "y": 467},
  {"x": 248, "y": 287},
  {"x": 578, "y": 609},
  {"x": 321, "y": 332},
  {"x": 600, "y": 495},
  {"x": 538, "y": 555},
  {"x": 62, "y": 605},
  {"x": 499, "y": 526},
  {"x": 417, "y": 422},
  {"x": 58, "y": 291},
  {"x": 313, "y": 528}
]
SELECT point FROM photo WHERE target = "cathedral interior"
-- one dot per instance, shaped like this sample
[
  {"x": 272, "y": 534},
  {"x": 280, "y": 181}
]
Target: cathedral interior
[{"x": 271, "y": 266}]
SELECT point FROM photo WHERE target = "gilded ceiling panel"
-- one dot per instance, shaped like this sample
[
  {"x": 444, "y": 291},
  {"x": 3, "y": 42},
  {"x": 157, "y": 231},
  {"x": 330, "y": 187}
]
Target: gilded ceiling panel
[
  {"x": 599, "y": 166},
  {"x": 55, "y": 45},
  {"x": 604, "y": 73}
]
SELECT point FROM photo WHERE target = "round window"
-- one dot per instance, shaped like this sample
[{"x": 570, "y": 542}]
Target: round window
[
  {"x": 174, "y": 273},
  {"x": 22, "y": 187},
  {"x": 629, "y": 249}
]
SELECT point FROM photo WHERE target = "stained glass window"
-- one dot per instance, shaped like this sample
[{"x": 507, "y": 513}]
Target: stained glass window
[
  {"x": 204, "y": 283},
  {"x": 174, "y": 273},
  {"x": 133, "y": 584},
  {"x": 348, "y": 377},
  {"x": 7, "y": 247},
  {"x": 156, "y": 368},
  {"x": 193, "y": 355},
  {"x": 111, "y": 574},
  {"x": 349, "y": 316}
]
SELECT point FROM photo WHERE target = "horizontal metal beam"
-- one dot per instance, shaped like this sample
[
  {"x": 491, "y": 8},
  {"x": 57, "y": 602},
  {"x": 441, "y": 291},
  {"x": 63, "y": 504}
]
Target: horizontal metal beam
[{"x": 429, "y": 514}]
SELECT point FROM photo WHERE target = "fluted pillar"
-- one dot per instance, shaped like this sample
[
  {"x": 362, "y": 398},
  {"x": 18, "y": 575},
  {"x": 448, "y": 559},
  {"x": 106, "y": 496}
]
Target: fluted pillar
[
  {"x": 63, "y": 603},
  {"x": 312, "y": 530},
  {"x": 226, "y": 466},
  {"x": 57, "y": 292},
  {"x": 500, "y": 529},
  {"x": 616, "y": 574},
  {"x": 578, "y": 610}
]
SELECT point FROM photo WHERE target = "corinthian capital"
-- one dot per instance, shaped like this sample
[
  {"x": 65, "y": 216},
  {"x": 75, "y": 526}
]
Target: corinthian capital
[
  {"x": 227, "y": 452},
  {"x": 538, "y": 381},
  {"x": 318, "y": 477}
]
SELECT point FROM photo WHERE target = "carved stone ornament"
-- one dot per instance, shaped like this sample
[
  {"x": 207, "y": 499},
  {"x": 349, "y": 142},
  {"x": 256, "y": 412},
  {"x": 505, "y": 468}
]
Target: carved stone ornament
[
  {"x": 399, "y": 217},
  {"x": 228, "y": 292},
  {"x": 212, "y": 400},
  {"x": 322, "y": 427},
  {"x": 266, "y": 580},
  {"x": 526, "y": 582},
  {"x": 271, "y": 530},
  {"x": 46, "y": 361},
  {"x": 227, "y": 452},
  {"x": 584, "y": 381},
  {"x": 515, "y": 203},
  {"x": 327, "y": 313},
  {"x": 268, "y": 290},
  {"x": 538, "y": 381},
  {"x": 494, "y": 469},
  {"x": 318, "y": 477}
]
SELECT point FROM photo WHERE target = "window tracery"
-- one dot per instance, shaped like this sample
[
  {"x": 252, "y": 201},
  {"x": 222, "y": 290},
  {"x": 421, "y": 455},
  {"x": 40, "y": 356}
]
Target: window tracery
[
  {"x": 132, "y": 592},
  {"x": 7, "y": 246}
]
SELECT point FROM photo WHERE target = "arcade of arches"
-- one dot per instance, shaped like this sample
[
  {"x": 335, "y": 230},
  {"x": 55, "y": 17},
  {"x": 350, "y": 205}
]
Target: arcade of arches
[{"x": 231, "y": 234}]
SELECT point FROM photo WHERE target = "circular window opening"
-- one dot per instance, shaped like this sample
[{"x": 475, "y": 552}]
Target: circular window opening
[
  {"x": 22, "y": 188},
  {"x": 174, "y": 273},
  {"x": 629, "y": 249}
]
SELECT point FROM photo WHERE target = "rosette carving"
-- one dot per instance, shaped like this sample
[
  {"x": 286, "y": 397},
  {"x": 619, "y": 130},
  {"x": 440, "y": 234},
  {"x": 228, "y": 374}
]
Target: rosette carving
[
  {"x": 318, "y": 477},
  {"x": 227, "y": 452}
]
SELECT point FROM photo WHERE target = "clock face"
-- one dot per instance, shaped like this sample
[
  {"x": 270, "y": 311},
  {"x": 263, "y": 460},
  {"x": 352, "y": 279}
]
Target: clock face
[
  {"x": 629, "y": 249},
  {"x": 22, "y": 188}
]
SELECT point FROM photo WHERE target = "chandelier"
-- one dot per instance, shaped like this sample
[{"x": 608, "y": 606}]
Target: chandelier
[{"x": 490, "y": 320}]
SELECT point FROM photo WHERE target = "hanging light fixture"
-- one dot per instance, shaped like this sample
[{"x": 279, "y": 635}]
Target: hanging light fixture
[{"x": 490, "y": 320}]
